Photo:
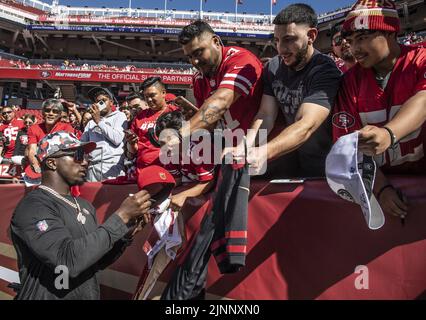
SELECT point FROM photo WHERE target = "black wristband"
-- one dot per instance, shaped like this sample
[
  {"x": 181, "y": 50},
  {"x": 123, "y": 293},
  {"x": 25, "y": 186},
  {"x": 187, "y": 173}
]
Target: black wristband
[
  {"x": 392, "y": 136},
  {"x": 383, "y": 189}
]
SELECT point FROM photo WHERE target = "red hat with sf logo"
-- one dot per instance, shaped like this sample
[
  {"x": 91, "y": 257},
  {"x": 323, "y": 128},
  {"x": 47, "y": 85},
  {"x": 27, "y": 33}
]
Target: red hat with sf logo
[{"x": 379, "y": 15}]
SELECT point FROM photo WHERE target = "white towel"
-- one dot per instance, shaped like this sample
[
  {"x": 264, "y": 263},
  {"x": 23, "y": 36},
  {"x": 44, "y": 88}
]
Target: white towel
[{"x": 167, "y": 234}]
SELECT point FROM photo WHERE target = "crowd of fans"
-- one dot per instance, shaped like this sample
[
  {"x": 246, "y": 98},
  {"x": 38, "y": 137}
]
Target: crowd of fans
[
  {"x": 68, "y": 65},
  {"x": 413, "y": 38}
]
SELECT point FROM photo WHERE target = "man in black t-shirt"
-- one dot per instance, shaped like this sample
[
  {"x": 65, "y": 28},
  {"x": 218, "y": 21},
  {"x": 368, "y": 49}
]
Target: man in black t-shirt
[
  {"x": 302, "y": 83},
  {"x": 59, "y": 244}
]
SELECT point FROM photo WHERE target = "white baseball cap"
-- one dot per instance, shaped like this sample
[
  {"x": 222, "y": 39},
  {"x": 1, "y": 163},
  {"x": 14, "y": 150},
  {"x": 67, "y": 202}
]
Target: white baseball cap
[{"x": 351, "y": 175}]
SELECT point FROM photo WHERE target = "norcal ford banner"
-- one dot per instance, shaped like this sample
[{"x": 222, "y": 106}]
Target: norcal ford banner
[{"x": 92, "y": 76}]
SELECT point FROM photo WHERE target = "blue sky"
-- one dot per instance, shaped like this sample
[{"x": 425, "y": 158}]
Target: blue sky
[{"x": 249, "y": 6}]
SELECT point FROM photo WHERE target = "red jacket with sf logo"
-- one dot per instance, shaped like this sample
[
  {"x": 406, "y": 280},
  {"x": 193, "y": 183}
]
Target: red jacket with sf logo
[{"x": 362, "y": 102}]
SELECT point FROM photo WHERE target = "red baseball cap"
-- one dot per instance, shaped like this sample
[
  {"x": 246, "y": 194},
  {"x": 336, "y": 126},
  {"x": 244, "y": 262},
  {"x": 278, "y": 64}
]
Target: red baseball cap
[{"x": 154, "y": 174}]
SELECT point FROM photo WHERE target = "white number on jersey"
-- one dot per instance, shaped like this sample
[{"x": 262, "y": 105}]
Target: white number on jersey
[{"x": 395, "y": 155}]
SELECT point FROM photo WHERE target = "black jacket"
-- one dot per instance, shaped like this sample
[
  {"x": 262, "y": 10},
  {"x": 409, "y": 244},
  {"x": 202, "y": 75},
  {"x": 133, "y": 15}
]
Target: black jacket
[
  {"x": 46, "y": 234},
  {"x": 223, "y": 233},
  {"x": 21, "y": 143}
]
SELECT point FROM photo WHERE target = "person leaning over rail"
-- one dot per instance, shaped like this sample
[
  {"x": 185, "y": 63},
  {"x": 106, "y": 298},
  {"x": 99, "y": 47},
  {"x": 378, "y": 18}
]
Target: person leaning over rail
[
  {"x": 384, "y": 97},
  {"x": 227, "y": 85},
  {"x": 302, "y": 83},
  {"x": 59, "y": 244}
]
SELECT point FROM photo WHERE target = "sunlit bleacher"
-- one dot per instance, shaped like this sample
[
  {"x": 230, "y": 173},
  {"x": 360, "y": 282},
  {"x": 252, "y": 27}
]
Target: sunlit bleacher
[{"x": 169, "y": 17}]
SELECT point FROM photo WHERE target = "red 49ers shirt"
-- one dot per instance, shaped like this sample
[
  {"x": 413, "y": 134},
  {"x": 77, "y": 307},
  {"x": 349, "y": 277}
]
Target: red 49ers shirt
[
  {"x": 362, "y": 102},
  {"x": 147, "y": 153},
  {"x": 10, "y": 131},
  {"x": 39, "y": 131},
  {"x": 241, "y": 71},
  {"x": 195, "y": 169}
]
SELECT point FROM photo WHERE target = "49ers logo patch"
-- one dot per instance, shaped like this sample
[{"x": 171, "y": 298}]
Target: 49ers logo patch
[
  {"x": 343, "y": 120},
  {"x": 345, "y": 195},
  {"x": 45, "y": 74}
]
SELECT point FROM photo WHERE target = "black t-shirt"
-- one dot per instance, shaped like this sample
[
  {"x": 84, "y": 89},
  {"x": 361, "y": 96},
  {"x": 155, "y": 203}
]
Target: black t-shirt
[
  {"x": 46, "y": 234},
  {"x": 318, "y": 83},
  {"x": 21, "y": 143}
]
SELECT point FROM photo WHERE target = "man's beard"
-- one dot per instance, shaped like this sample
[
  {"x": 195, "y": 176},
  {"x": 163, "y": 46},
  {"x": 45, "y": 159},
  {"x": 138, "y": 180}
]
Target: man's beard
[
  {"x": 211, "y": 66},
  {"x": 347, "y": 56},
  {"x": 300, "y": 57},
  {"x": 210, "y": 70}
]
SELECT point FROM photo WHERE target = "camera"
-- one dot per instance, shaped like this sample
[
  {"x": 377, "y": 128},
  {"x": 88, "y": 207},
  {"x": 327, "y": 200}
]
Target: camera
[{"x": 101, "y": 105}]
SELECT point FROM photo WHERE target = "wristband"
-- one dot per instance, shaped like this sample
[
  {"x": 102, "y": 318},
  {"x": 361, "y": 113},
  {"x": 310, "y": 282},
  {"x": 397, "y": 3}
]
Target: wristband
[
  {"x": 392, "y": 136},
  {"x": 383, "y": 189}
]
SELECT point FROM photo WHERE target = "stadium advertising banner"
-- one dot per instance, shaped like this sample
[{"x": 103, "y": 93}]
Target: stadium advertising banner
[
  {"x": 147, "y": 22},
  {"x": 93, "y": 76},
  {"x": 140, "y": 30},
  {"x": 333, "y": 17}
]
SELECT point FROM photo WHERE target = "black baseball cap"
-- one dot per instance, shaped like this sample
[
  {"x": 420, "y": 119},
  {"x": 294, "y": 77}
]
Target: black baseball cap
[{"x": 96, "y": 91}]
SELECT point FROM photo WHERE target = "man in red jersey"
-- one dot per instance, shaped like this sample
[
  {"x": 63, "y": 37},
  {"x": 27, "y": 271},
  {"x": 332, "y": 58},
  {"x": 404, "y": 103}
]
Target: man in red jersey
[
  {"x": 228, "y": 84},
  {"x": 10, "y": 129},
  {"x": 138, "y": 144},
  {"x": 384, "y": 96},
  {"x": 51, "y": 111}
]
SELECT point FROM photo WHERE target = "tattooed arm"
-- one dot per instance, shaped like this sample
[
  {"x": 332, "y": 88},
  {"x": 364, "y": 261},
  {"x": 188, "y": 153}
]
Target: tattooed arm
[{"x": 213, "y": 109}]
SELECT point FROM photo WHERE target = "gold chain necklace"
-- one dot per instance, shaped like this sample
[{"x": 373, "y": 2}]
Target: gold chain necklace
[{"x": 80, "y": 217}]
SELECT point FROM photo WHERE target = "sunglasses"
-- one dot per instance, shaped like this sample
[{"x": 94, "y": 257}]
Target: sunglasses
[
  {"x": 51, "y": 110},
  {"x": 28, "y": 123},
  {"x": 338, "y": 40},
  {"x": 78, "y": 155},
  {"x": 5, "y": 113}
]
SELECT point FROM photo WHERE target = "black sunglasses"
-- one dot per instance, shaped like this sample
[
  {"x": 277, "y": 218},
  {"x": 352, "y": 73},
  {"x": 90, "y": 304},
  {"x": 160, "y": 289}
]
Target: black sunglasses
[
  {"x": 338, "y": 40},
  {"x": 53, "y": 110},
  {"x": 6, "y": 113},
  {"x": 78, "y": 155}
]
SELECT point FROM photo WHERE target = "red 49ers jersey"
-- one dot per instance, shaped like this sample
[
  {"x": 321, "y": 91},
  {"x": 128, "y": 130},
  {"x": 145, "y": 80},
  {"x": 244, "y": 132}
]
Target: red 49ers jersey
[
  {"x": 38, "y": 131},
  {"x": 193, "y": 170},
  {"x": 147, "y": 153},
  {"x": 361, "y": 102},
  {"x": 10, "y": 131},
  {"x": 241, "y": 71}
]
